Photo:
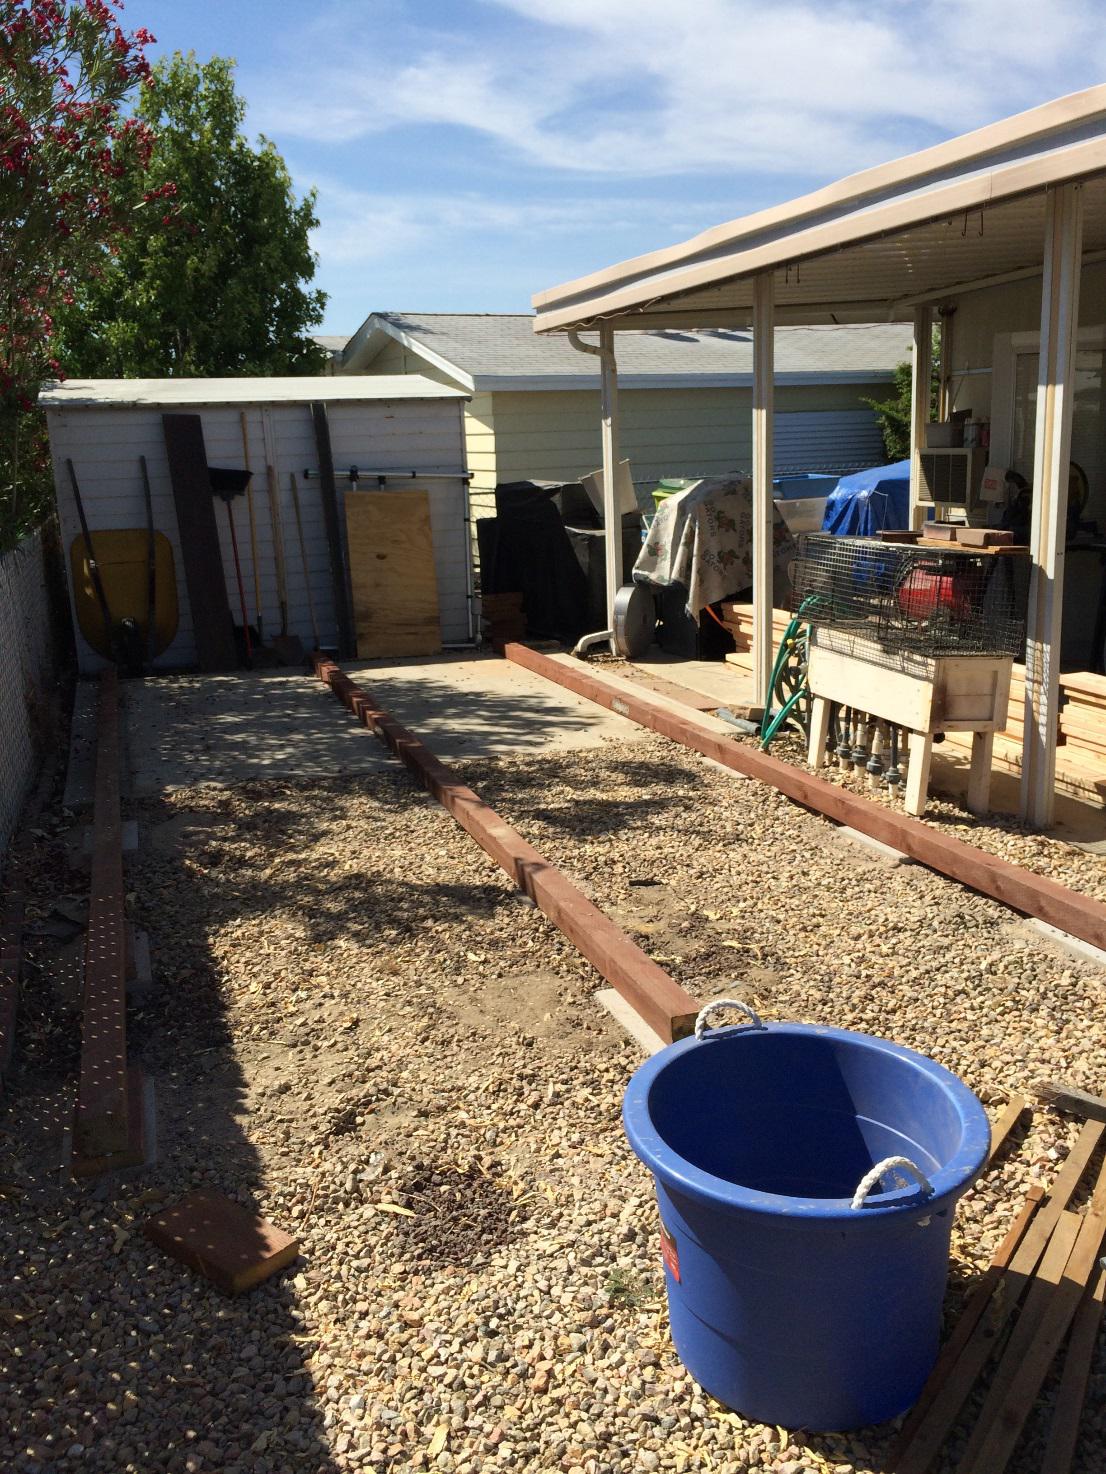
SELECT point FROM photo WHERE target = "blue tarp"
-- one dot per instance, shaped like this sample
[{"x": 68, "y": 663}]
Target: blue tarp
[{"x": 866, "y": 502}]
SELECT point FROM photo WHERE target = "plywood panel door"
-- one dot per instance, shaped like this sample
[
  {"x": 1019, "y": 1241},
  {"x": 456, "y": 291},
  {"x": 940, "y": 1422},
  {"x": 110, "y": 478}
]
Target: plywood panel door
[{"x": 392, "y": 577}]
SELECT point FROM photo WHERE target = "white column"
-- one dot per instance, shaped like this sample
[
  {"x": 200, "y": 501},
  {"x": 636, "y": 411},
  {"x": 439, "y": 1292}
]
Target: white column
[
  {"x": 764, "y": 325},
  {"x": 919, "y": 405},
  {"x": 1051, "y": 454},
  {"x": 612, "y": 517}
]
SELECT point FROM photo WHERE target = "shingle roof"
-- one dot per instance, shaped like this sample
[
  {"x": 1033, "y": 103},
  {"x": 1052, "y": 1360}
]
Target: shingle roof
[{"x": 494, "y": 348}]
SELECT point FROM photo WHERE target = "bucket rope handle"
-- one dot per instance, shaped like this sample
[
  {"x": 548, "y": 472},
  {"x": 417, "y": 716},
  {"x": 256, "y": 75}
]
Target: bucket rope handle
[
  {"x": 870, "y": 1179},
  {"x": 704, "y": 1014}
]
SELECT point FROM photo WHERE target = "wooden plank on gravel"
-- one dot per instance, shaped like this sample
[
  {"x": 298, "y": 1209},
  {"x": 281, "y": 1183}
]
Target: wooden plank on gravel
[
  {"x": 970, "y": 1315},
  {"x": 101, "y": 1121},
  {"x": 11, "y": 963},
  {"x": 1067, "y": 1098},
  {"x": 1001, "y": 1129},
  {"x": 935, "y": 1425},
  {"x": 1021, "y": 889},
  {"x": 1023, "y": 1363},
  {"x": 231, "y": 1246},
  {"x": 1068, "y": 1408},
  {"x": 658, "y": 998}
]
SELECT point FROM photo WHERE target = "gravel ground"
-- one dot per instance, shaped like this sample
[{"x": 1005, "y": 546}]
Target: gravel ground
[
  {"x": 360, "y": 1028},
  {"x": 1000, "y": 834}
]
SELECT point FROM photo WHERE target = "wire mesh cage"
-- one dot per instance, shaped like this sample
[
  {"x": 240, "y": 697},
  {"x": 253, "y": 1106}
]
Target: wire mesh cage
[{"x": 888, "y": 600}]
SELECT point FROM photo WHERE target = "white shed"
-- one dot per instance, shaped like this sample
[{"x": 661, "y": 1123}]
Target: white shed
[{"x": 399, "y": 433}]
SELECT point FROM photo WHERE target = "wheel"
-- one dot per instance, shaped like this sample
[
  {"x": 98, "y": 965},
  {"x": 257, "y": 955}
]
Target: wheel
[{"x": 635, "y": 620}]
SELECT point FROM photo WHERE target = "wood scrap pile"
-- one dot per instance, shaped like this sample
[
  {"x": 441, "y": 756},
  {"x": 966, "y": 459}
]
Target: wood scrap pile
[
  {"x": 738, "y": 621},
  {"x": 502, "y": 618},
  {"x": 1044, "y": 1287},
  {"x": 1083, "y": 716}
]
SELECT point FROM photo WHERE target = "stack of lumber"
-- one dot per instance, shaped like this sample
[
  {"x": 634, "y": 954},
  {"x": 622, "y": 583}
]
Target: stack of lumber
[
  {"x": 1083, "y": 716},
  {"x": 1044, "y": 1288},
  {"x": 738, "y": 621},
  {"x": 1015, "y": 717},
  {"x": 503, "y": 618}
]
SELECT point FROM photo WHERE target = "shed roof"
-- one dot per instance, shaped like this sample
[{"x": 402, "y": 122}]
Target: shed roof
[
  {"x": 488, "y": 351},
  {"x": 875, "y": 244},
  {"x": 171, "y": 393}
]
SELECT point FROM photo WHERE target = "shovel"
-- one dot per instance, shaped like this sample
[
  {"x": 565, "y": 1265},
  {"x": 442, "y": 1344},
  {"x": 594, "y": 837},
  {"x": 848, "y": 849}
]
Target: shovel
[{"x": 228, "y": 483}]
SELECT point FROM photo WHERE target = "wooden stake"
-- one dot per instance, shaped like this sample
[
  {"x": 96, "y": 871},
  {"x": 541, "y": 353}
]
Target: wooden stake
[
  {"x": 944, "y": 1410},
  {"x": 1029, "y": 1356},
  {"x": 1024, "y": 1350},
  {"x": 1006, "y": 1123},
  {"x": 1067, "y": 1098},
  {"x": 1066, "y": 1414},
  {"x": 974, "y": 1307}
]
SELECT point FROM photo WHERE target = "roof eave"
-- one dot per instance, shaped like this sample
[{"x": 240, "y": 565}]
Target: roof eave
[
  {"x": 539, "y": 383},
  {"x": 785, "y": 235},
  {"x": 378, "y": 326}
]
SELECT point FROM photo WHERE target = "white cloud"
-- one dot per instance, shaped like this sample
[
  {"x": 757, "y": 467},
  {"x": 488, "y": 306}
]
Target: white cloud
[
  {"x": 648, "y": 87},
  {"x": 362, "y": 226}
]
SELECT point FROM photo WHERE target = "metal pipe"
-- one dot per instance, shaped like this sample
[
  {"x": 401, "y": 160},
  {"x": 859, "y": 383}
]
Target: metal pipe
[
  {"x": 585, "y": 642},
  {"x": 612, "y": 520},
  {"x": 356, "y": 474}
]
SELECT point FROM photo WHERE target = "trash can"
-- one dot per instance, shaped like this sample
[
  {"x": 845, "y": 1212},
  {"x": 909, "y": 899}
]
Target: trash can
[{"x": 807, "y": 1179}]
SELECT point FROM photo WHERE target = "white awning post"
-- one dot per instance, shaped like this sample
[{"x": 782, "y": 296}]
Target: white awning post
[
  {"x": 612, "y": 517},
  {"x": 764, "y": 326},
  {"x": 920, "y": 374},
  {"x": 1051, "y": 456}
]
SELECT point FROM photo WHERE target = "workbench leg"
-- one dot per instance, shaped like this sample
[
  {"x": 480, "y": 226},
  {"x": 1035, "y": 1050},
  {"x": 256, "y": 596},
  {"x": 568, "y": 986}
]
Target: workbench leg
[
  {"x": 819, "y": 731},
  {"x": 917, "y": 774},
  {"x": 979, "y": 775}
]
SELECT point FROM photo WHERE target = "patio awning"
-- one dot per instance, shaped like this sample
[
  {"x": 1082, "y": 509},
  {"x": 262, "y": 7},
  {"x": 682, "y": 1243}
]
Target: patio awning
[{"x": 874, "y": 245}]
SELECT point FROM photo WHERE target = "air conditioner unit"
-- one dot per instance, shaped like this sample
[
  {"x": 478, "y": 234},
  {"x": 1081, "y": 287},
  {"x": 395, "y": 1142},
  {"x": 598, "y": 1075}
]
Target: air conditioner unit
[{"x": 952, "y": 477}]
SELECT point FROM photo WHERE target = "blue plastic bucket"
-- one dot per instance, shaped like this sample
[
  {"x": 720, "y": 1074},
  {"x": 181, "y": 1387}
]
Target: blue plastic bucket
[{"x": 803, "y": 1289}]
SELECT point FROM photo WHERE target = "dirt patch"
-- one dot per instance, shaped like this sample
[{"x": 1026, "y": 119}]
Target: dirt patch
[{"x": 458, "y": 1216}]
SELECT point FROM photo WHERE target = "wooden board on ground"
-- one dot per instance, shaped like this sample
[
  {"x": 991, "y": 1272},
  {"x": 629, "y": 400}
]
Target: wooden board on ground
[
  {"x": 392, "y": 576},
  {"x": 231, "y": 1246}
]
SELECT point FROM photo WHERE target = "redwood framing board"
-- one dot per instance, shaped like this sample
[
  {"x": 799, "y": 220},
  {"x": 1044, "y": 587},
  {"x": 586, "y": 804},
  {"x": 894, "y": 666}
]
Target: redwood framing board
[
  {"x": 658, "y": 998},
  {"x": 1022, "y": 890},
  {"x": 100, "y": 1124},
  {"x": 108, "y": 1123},
  {"x": 11, "y": 963}
]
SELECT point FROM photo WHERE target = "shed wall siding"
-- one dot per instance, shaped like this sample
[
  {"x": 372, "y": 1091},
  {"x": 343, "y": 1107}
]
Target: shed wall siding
[{"x": 105, "y": 445}]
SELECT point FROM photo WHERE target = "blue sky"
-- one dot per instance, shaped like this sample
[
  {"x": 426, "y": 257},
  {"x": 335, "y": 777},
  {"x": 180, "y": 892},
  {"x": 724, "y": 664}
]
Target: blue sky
[{"x": 468, "y": 153}]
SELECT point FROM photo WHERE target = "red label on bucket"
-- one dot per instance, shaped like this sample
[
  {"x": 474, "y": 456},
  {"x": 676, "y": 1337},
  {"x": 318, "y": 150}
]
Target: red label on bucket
[{"x": 670, "y": 1254}]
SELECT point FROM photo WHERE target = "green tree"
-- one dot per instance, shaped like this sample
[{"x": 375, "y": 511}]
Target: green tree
[
  {"x": 71, "y": 174},
  {"x": 893, "y": 414},
  {"x": 215, "y": 280}
]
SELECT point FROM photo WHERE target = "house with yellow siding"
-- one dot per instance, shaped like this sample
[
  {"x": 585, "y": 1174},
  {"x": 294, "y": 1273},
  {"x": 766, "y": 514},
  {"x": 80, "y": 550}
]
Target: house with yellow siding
[{"x": 685, "y": 398}]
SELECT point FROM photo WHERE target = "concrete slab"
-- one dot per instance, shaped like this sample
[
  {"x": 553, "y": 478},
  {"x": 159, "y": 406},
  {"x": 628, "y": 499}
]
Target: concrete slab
[
  {"x": 227, "y": 729},
  {"x": 482, "y": 705},
  {"x": 876, "y": 847},
  {"x": 1085, "y": 951},
  {"x": 630, "y": 1020},
  {"x": 714, "y": 678}
]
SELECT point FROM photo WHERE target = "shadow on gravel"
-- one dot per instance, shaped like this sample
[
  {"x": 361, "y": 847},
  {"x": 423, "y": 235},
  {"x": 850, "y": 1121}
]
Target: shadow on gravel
[{"x": 113, "y": 1357}]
